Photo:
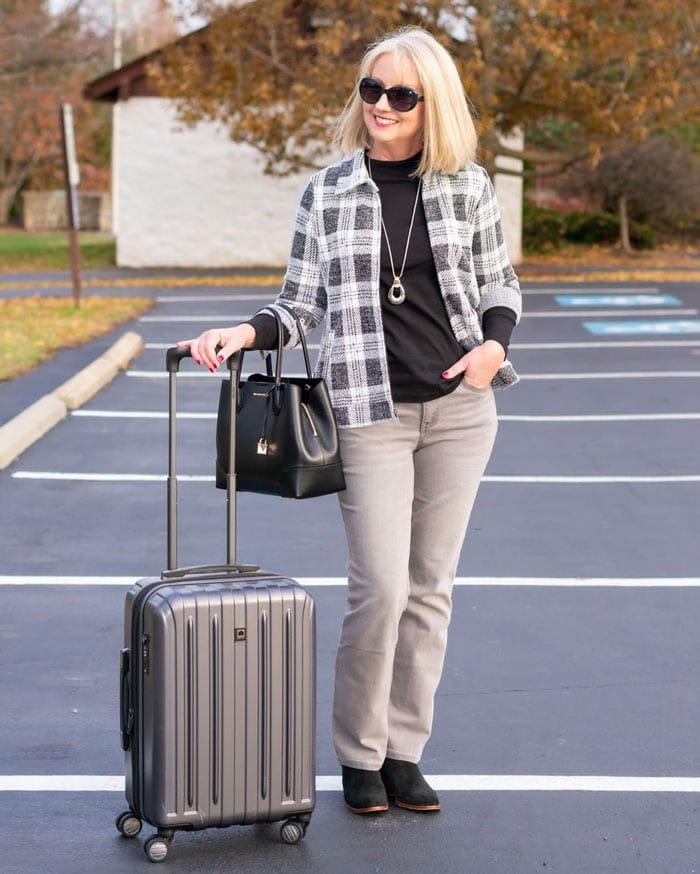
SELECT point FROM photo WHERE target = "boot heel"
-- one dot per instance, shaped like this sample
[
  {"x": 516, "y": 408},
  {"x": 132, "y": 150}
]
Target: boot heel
[
  {"x": 407, "y": 787},
  {"x": 364, "y": 791}
]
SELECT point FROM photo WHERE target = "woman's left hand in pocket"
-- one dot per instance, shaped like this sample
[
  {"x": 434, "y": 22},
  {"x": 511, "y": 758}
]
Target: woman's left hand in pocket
[{"x": 480, "y": 365}]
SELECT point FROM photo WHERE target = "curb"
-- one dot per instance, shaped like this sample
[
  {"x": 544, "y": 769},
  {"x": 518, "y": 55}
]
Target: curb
[
  {"x": 28, "y": 426},
  {"x": 39, "y": 418}
]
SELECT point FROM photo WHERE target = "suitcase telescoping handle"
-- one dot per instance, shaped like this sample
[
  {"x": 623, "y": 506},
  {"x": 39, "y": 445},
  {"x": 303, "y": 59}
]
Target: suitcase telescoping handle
[{"x": 174, "y": 356}]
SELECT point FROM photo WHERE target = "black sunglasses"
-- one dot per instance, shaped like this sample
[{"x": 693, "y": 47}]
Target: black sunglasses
[{"x": 401, "y": 98}]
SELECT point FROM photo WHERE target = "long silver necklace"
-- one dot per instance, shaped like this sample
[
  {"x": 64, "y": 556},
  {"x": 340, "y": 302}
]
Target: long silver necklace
[{"x": 397, "y": 293}]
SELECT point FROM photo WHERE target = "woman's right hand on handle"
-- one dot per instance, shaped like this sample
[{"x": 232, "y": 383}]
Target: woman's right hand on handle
[{"x": 213, "y": 347}]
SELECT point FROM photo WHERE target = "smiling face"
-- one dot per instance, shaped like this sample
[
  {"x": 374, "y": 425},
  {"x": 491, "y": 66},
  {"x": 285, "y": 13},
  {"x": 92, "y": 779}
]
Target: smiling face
[{"x": 394, "y": 135}]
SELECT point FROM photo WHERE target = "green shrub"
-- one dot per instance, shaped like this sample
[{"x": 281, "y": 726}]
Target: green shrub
[
  {"x": 604, "y": 228},
  {"x": 591, "y": 228},
  {"x": 543, "y": 229},
  {"x": 642, "y": 236}
]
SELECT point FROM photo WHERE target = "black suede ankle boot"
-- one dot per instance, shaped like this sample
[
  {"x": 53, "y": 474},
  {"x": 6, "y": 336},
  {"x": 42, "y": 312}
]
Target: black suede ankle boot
[
  {"x": 364, "y": 791},
  {"x": 407, "y": 786}
]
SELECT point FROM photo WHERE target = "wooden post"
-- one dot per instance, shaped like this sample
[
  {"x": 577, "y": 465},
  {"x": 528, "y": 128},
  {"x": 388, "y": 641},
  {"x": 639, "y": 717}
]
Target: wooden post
[{"x": 71, "y": 175}]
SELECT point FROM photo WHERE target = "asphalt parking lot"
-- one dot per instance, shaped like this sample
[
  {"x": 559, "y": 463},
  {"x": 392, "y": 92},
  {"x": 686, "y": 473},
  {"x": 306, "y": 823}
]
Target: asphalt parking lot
[{"x": 566, "y": 731}]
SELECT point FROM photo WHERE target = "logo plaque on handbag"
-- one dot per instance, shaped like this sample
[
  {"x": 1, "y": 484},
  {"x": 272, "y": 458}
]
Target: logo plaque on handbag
[{"x": 286, "y": 434}]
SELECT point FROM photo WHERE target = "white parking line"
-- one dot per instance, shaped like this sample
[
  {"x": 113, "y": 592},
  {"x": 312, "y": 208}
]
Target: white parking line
[
  {"x": 335, "y": 582},
  {"x": 612, "y": 417},
  {"x": 108, "y": 477},
  {"x": 226, "y": 318},
  {"x": 597, "y": 313},
  {"x": 309, "y": 345},
  {"x": 137, "y": 414},
  {"x": 78, "y": 476},
  {"x": 201, "y": 373},
  {"x": 265, "y": 294},
  {"x": 585, "y": 344},
  {"x": 599, "y": 344},
  {"x": 440, "y": 782},
  {"x": 66, "y": 581},
  {"x": 213, "y": 298},
  {"x": 620, "y": 374},
  {"x": 592, "y": 480},
  {"x": 537, "y": 314}
]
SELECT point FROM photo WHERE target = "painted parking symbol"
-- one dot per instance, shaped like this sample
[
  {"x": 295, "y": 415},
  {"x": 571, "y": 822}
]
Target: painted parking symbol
[
  {"x": 616, "y": 300},
  {"x": 686, "y": 326}
]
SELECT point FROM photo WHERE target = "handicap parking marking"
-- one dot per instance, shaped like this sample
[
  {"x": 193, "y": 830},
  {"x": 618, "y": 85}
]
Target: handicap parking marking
[
  {"x": 616, "y": 300},
  {"x": 667, "y": 326},
  {"x": 579, "y": 290}
]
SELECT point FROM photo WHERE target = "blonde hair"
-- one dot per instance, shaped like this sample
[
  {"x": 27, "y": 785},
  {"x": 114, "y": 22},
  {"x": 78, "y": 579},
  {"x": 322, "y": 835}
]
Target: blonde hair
[{"x": 449, "y": 137}]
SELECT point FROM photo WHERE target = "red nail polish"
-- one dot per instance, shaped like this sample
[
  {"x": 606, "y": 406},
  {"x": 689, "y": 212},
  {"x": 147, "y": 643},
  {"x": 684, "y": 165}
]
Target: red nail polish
[
  {"x": 220, "y": 358},
  {"x": 445, "y": 374}
]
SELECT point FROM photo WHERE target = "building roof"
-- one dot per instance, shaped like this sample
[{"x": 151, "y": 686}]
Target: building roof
[{"x": 132, "y": 80}]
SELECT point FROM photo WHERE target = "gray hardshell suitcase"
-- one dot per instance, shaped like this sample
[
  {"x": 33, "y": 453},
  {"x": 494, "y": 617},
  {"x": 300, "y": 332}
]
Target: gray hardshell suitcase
[{"x": 217, "y": 692}]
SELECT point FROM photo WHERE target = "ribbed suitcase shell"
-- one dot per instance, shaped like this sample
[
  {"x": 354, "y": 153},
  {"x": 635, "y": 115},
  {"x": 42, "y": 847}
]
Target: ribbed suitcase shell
[{"x": 222, "y": 681}]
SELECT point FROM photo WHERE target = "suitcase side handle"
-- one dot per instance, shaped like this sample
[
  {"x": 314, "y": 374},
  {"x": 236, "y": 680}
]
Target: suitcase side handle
[{"x": 126, "y": 713}]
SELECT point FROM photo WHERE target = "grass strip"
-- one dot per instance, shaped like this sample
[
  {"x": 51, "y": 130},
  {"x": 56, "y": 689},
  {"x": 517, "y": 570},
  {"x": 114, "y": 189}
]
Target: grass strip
[
  {"x": 149, "y": 282},
  {"x": 33, "y": 329},
  {"x": 51, "y": 251}
]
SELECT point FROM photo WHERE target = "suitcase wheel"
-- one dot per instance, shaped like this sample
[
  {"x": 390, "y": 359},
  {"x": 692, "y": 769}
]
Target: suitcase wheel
[
  {"x": 128, "y": 824},
  {"x": 292, "y": 831},
  {"x": 156, "y": 848}
]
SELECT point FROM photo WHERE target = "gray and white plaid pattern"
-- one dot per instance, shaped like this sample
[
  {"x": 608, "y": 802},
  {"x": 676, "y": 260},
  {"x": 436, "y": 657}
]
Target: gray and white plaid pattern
[{"x": 333, "y": 275}]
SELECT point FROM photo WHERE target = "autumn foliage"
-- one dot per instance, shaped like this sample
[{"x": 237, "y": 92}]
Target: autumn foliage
[
  {"x": 276, "y": 73},
  {"x": 44, "y": 60}
]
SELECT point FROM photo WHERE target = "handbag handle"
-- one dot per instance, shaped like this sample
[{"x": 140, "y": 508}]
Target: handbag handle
[
  {"x": 300, "y": 332},
  {"x": 276, "y": 393}
]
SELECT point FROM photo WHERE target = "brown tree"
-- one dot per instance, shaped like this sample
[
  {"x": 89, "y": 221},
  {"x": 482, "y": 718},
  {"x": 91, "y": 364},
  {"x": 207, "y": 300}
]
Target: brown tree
[
  {"x": 656, "y": 181},
  {"x": 44, "y": 61},
  {"x": 147, "y": 25},
  {"x": 277, "y": 72}
]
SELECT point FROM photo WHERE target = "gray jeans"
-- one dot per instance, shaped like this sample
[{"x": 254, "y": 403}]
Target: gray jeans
[{"x": 411, "y": 485}]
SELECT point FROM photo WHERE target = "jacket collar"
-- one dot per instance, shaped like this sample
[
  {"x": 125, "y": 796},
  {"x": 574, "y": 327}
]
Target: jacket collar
[{"x": 357, "y": 173}]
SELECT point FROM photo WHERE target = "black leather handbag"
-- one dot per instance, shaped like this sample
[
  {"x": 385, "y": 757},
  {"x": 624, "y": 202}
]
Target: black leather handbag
[{"x": 286, "y": 433}]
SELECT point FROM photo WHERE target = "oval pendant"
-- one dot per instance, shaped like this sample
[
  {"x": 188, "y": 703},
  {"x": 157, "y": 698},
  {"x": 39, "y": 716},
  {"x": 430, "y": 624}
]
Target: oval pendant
[{"x": 396, "y": 293}]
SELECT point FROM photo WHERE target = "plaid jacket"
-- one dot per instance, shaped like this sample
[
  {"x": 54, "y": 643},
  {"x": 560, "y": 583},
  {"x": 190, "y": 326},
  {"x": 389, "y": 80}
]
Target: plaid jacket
[{"x": 333, "y": 276}]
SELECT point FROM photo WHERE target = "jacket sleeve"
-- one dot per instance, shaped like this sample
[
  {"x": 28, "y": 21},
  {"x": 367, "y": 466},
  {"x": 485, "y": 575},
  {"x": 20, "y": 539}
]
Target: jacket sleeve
[
  {"x": 302, "y": 289},
  {"x": 498, "y": 284}
]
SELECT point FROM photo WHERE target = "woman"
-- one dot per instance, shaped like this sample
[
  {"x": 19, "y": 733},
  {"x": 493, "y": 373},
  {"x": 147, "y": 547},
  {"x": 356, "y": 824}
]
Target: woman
[{"x": 399, "y": 248}]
